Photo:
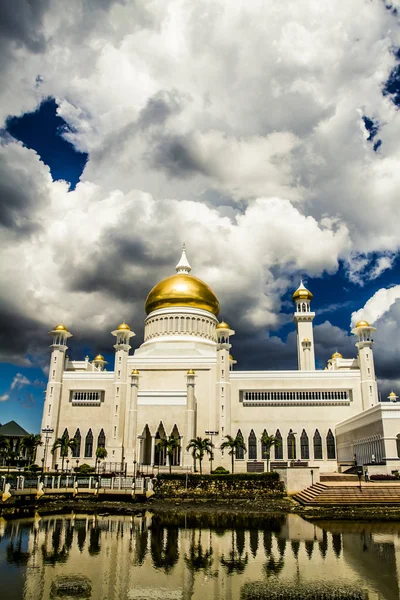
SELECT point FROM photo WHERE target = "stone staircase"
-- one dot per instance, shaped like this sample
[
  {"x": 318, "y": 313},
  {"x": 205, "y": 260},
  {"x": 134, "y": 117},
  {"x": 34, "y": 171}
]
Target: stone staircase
[{"x": 321, "y": 494}]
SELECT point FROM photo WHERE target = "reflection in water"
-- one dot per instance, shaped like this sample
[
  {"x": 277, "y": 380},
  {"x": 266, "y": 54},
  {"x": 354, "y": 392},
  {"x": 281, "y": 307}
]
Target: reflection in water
[{"x": 168, "y": 557}]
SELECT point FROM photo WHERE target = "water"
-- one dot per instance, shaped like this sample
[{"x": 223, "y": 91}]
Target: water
[{"x": 177, "y": 557}]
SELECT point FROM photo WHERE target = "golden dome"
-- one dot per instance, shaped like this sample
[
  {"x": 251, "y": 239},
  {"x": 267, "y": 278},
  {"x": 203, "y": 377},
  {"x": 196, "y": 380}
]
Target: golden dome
[
  {"x": 392, "y": 395},
  {"x": 337, "y": 355},
  {"x": 306, "y": 340},
  {"x": 60, "y": 327},
  {"x": 363, "y": 324},
  {"x": 182, "y": 289},
  {"x": 190, "y": 372},
  {"x": 302, "y": 293},
  {"x": 99, "y": 357},
  {"x": 135, "y": 372},
  {"x": 222, "y": 325},
  {"x": 123, "y": 326}
]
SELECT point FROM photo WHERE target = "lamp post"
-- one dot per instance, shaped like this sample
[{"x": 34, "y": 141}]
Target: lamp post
[
  {"x": 211, "y": 433},
  {"x": 140, "y": 438},
  {"x": 47, "y": 431}
]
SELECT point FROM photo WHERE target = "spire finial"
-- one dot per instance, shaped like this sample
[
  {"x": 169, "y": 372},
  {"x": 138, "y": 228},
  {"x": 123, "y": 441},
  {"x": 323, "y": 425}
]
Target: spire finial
[{"x": 183, "y": 265}]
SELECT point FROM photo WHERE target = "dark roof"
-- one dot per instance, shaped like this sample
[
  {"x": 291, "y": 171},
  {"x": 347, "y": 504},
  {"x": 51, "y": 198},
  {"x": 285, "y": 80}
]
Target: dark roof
[{"x": 12, "y": 429}]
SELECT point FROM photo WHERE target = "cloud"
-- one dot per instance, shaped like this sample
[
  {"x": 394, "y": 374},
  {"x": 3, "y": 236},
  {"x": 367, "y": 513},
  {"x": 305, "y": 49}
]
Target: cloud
[
  {"x": 236, "y": 127},
  {"x": 377, "y": 306},
  {"x": 4, "y": 397},
  {"x": 19, "y": 382}
]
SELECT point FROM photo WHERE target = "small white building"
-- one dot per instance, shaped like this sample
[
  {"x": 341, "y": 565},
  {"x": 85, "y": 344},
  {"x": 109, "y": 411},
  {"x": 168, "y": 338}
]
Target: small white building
[{"x": 181, "y": 381}]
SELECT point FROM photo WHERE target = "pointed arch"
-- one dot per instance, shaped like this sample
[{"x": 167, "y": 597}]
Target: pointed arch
[
  {"x": 160, "y": 454},
  {"x": 76, "y": 450},
  {"x": 330, "y": 445},
  {"x": 89, "y": 444},
  {"x": 65, "y": 434},
  {"x": 304, "y": 446},
  {"x": 317, "y": 442},
  {"x": 252, "y": 443},
  {"x": 146, "y": 446},
  {"x": 263, "y": 446},
  {"x": 239, "y": 451},
  {"x": 101, "y": 440},
  {"x": 291, "y": 445},
  {"x": 176, "y": 457},
  {"x": 278, "y": 447}
]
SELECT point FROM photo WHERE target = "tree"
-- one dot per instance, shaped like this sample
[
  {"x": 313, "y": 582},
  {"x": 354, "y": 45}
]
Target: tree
[
  {"x": 199, "y": 446},
  {"x": 5, "y": 449},
  {"x": 101, "y": 454},
  {"x": 65, "y": 444},
  {"x": 233, "y": 445},
  {"x": 267, "y": 442},
  {"x": 169, "y": 444},
  {"x": 30, "y": 443}
]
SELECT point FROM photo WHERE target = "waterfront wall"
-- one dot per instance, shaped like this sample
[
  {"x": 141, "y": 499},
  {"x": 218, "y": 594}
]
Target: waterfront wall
[{"x": 266, "y": 485}]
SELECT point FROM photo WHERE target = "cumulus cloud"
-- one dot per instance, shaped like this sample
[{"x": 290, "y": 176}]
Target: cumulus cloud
[
  {"x": 4, "y": 397},
  {"x": 236, "y": 127}
]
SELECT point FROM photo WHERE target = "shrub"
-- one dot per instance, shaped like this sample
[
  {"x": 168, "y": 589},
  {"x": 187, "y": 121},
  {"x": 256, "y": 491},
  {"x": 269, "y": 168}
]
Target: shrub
[
  {"x": 271, "y": 477},
  {"x": 32, "y": 468},
  {"x": 382, "y": 477},
  {"x": 85, "y": 469},
  {"x": 220, "y": 471}
]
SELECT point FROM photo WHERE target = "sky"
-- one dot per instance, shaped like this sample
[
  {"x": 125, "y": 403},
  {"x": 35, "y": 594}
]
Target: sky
[{"x": 264, "y": 135}]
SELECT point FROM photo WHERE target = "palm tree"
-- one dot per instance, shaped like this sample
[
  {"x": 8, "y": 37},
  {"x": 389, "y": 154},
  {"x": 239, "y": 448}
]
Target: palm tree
[
  {"x": 101, "y": 454},
  {"x": 65, "y": 444},
  {"x": 234, "y": 444},
  {"x": 169, "y": 444},
  {"x": 30, "y": 443},
  {"x": 199, "y": 446},
  {"x": 5, "y": 448},
  {"x": 267, "y": 442}
]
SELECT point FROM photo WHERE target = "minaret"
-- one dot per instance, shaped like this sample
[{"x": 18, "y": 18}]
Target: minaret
[
  {"x": 223, "y": 407},
  {"x": 303, "y": 317},
  {"x": 190, "y": 417},
  {"x": 369, "y": 388},
  {"x": 123, "y": 334},
  {"x": 51, "y": 411}
]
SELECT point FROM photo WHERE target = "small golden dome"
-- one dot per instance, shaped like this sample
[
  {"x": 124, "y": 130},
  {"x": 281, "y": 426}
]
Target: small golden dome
[
  {"x": 184, "y": 290},
  {"x": 135, "y": 372},
  {"x": 123, "y": 327},
  {"x": 222, "y": 325},
  {"x": 302, "y": 293},
  {"x": 60, "y": 327},
  {"x": 363, "y": 324},
  {"x": 337, "y": 355},
  {"x": 306, "y": 340},
  {"x": 190, "y": 372},
  {"x": 99, "y": 357},
  {"x": 230, "y": 357}
]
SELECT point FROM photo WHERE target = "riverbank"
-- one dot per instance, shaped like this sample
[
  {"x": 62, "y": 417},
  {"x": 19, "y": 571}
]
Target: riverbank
[{"x": 195, "y": 507}]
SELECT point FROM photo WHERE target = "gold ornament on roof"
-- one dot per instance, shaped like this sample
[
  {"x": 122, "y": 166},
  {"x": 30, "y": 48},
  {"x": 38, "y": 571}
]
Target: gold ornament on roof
[
  {"x": 363, "y": 323},
  {"x": 182, "y": 290},
  {"x": 337, "y": 355},
  {"x": 302, "y": 293},
  {"x": 135, "y": 372},
  {"x": 123, "y": 327},
  {"x": 223, "y": 325},
  {"x": 99, "y": 358},
  {"x": 60, "y": 327},
  {"x": 190, "y": 372}
]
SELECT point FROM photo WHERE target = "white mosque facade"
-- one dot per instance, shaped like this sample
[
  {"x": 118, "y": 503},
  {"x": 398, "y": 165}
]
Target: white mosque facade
[{"x": 182, "y": 381}]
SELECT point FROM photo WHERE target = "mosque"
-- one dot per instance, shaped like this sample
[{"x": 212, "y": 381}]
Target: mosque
[{"x": 182, "y": 381}]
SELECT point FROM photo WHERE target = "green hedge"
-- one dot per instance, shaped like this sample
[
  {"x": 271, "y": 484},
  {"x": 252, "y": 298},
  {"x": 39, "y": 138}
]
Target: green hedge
[{"x": 195, "y": 477}]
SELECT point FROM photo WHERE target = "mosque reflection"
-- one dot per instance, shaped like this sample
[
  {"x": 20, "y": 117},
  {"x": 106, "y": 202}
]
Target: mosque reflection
[{"x": 150, "y": 556}]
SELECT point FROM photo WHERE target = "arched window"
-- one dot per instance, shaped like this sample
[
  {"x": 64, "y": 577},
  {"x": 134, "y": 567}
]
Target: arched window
[
  {"x": 317, "y": 445},
  {"x": 89, "y": 444},
  {"x": 65, "y": 434},
  {"x": 398, "y": 444},
  {"x": 330, "y": 445},
  {"x": 263, "y": 446},
  {"x": 278, "y": 447},
  {"x": 252, "y": 446},
  {"x": 291, "y": 446},
  {"x": 76, "y": 451},
  {"x": 239, "y": 451},
  {"x": 304, "y": 446},
  {"x": 101, "y": 440}
]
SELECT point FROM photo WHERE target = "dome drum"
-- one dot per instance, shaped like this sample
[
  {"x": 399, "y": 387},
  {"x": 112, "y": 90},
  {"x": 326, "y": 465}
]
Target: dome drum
[{"x": 180, "y": 322}]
